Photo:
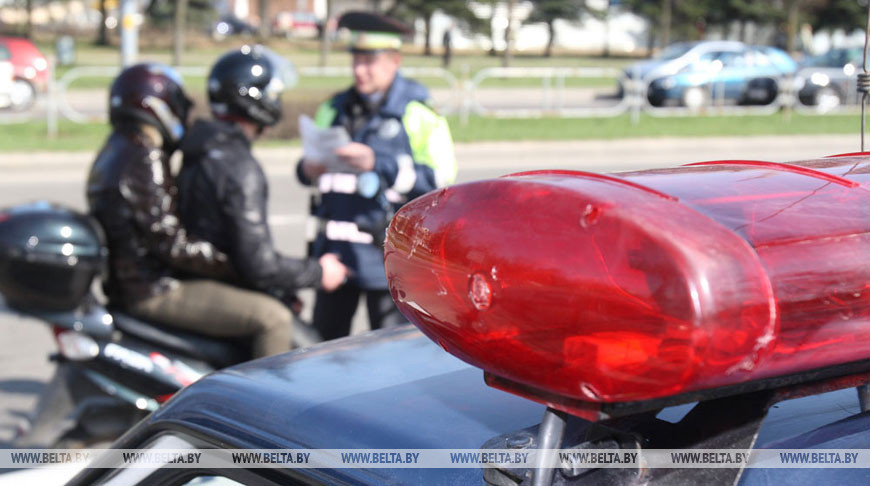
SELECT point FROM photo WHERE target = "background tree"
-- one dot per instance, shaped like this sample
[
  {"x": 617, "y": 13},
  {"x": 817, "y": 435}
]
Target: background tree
[
  {"x": 838, "y": 14},
  {"x": 486, "y": 24},
  {"x": 265, "y": 27},
  {"x": 508, "y": 35},
  {"x": 686, "y": 20},
  {"x": 798, "y": 12},
  {"x": 28, "y": 28},
  {"x": 180, "y": 25},
  {"x": 410, "y": 10},
  {"x": 102, "y": 29},
  {"x": 651, "y": 11},
  {"x": 324, "y": 34},
  {"x": 548, "y": 11},
  {"x": 163, "y": 14}
]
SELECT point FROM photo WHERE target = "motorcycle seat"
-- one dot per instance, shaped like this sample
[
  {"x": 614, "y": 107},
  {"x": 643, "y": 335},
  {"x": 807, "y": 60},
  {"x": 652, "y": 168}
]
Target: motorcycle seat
[{"x": 219, "y": 352}]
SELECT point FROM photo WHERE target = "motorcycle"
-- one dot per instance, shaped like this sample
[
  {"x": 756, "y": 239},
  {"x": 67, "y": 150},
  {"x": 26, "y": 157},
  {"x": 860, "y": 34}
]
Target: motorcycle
[{"x": 112, "y": 369}]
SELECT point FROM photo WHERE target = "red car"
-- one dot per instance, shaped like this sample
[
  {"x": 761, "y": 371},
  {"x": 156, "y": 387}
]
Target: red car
[{"x": 30, "y": 70}]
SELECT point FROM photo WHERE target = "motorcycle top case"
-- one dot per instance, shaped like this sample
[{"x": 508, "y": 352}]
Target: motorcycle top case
[{"x": 49, "y": 256}]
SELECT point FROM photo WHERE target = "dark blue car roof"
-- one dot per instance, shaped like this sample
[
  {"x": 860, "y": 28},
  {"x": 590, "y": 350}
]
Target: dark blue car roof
[
  {"x": 396, "y": 389},
  {"x": 387, "y": 390}
]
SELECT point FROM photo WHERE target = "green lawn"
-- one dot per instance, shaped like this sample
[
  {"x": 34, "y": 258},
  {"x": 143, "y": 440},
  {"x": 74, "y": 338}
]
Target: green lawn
[
  {"x": 32, "y": 136},
  {"x": 22, "y": 137},
  {"x": 195, "y": 84},
  {"x": 493, "y": 129},
  {"x": 306, "y": 55}
]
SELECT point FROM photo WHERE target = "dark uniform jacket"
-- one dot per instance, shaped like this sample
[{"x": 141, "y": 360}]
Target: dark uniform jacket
[
  {"x": 223, "y": 200},
  {"x": 413, "y": 155},
  {"x": 131, "y": 192}
]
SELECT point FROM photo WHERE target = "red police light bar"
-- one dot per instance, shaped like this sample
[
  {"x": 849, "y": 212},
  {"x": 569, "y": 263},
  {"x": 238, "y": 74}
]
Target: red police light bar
[{"x": 640, "y": 285}]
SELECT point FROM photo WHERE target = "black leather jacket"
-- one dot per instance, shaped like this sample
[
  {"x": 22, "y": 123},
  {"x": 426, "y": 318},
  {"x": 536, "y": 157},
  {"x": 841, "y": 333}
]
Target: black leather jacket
[
  {"x": 223, "y": 195},
  {"x": 131, "y": 192}
]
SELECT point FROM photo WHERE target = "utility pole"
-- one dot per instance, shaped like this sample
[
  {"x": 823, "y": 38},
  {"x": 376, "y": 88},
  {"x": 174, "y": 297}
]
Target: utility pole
[{"x": 129, "y": 32}]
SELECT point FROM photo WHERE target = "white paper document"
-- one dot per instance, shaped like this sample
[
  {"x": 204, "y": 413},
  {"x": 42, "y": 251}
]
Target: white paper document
[{"x": 319, "y": 144}]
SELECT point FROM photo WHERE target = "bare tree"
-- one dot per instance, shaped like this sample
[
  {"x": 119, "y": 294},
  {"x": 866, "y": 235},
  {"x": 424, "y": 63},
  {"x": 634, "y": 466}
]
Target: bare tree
[
  {"x": 791, "y": 25},
  {"x": 178, "y": 31},
  {"x": 409, "y": 10},
  {"x": 29, "y": 26},
  {"x": 102, "y": 30},
  {"x": 666, "y": 22},
  {"x": 265, "y": 29},
  {"x": 324, "y": 34},
  {"x": 548, "y": 11},
  {"x": 508, "y": 35}
]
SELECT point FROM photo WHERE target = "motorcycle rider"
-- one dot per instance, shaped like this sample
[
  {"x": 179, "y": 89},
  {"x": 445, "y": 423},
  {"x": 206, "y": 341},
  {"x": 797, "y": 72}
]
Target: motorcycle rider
[
  {"x": 223, "y": 190},
  {"x": 132, "y": 193}
]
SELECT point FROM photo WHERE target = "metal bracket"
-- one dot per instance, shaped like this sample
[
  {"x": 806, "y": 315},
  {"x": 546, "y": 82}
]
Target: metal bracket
[{"x": 729, "y": 422}]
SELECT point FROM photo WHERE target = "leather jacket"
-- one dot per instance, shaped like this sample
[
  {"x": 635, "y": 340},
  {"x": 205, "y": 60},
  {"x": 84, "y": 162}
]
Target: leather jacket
[
  {"x": 223, "y": 196},
  {"x": 131, "y": 192}
]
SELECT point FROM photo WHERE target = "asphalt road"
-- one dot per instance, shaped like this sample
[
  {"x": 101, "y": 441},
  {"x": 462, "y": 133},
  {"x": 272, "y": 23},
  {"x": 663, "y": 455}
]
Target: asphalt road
[
  {"x": 93, "y": 104},
  {"x": 60, "y": 177}
]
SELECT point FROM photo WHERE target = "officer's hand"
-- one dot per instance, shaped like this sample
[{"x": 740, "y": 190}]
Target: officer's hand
[
  {"x": 312, "y": 169},
  {"x": 357, "y": 155},
  {"x": 334, "y": 272}
]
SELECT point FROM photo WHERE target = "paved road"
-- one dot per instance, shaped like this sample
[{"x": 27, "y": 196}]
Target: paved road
[
  {"x": 93, "y": 103},
  {"x": 60, "y": 177}
]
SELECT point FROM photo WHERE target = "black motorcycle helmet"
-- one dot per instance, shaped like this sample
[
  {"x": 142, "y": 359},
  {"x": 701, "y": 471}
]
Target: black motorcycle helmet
[
  {"x": 248, "y": 84},
  {"x": 153, "y": 94}
]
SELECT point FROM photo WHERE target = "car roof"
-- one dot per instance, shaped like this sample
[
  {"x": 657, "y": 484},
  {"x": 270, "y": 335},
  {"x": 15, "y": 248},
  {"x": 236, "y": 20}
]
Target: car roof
[
  {"x": 392, "y": 389},
  {"x": 17, "y": 41},
  {"x": 708, "y": 45},
  {"x": 396, "y": 389}
]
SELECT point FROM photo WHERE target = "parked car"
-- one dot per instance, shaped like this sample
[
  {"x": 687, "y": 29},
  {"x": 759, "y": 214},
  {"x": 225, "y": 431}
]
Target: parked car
[
  {"x": 830, "y": 80},
  {"x": 296, "y": 25},
  {"x": 649, "y": 310},
  {"x": 7, "y": 84},
  {"x": 229, "y": 25},
  {"x": 694, "y": 74},
  {"x": 31, "y": 70}
]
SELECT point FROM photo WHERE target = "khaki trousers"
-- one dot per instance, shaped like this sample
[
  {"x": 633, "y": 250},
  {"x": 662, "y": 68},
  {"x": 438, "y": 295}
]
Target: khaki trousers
[{"x": 217, "y": 309}]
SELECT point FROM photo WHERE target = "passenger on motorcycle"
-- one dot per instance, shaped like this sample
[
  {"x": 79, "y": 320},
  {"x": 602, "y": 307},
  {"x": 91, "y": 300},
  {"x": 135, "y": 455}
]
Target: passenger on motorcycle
[
  {"x": 132, "y": 193},
  {"x": 223, "y": 190}
]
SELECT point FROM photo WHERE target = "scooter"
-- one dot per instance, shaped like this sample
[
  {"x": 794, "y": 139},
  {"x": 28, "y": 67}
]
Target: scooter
[{"x": 112, "y": 369}]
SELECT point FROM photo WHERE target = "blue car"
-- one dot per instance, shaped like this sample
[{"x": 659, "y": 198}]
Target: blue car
[
  {"x": 697, "y": 74},
  {"x": 660, "y": 315}
]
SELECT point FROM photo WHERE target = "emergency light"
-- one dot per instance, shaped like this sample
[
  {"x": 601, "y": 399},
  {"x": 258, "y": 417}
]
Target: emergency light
[{"x": 573, "y": 287}]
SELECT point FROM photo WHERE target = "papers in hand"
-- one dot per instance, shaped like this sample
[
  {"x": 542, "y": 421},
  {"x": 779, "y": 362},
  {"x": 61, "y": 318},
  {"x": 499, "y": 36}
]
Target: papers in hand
[{"x": 319, "y": 144}]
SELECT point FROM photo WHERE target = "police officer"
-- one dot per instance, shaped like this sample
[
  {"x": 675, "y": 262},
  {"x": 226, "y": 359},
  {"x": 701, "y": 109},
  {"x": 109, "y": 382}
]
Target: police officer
[
  {"x": 223, "y": 188},
  {"x": 131, "y": 192},
  {"x": 397, "y": 141}
]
